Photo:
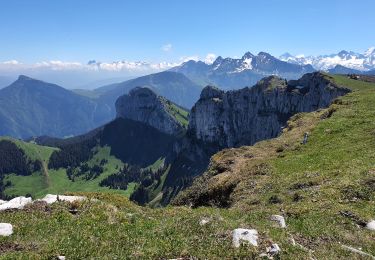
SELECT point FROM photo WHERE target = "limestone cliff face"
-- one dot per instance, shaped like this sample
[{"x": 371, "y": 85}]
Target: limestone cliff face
[
  {"x": 144, "y": 105},
  {"x": 243, "y": 117}
]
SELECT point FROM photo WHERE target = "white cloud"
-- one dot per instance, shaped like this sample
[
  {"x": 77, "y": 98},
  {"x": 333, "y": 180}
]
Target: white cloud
[
  {"x": 167, "y": 47},
  {"x": 210, "y": 58},
  {"x": 116, "y": 66},
  {"x": 11, "y": 62},
  {"x": 57, "y": 65}
]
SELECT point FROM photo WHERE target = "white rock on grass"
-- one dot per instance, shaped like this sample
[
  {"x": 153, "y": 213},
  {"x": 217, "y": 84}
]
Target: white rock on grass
[
  {"x": 371, "y": 225},
  {"x": 279, "y": 219},
  {"x": 6, "y": 229},
  {"x": 61, "y": 257},
  {"x": 50, "y": 198},
  {"x": 247, "y": 235},
  {"x": 16, "y": 203},
  {"x": 2, "y": 201},
  {"x": 274, "y": 249},
  {"x": 204, "y": 221}
]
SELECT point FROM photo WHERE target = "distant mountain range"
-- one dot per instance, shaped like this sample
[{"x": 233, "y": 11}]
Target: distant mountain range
[
  {"x": 174, "y": 86},
  {"x": 339, "y": 69},
  {"x": 230, "y": 73},
  {"x": 349, "y": 59},
  {"x": 31, "y": 107}
]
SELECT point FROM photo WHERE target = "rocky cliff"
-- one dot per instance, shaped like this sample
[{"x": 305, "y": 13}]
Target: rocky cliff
[
  {"x": 144, "y": 105},
  {"x": 243, "y": 117}
]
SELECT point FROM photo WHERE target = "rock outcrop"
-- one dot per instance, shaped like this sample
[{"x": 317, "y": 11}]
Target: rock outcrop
[
  {"x": 243, "y": 117},
  {"x": 144, "y": 105}
]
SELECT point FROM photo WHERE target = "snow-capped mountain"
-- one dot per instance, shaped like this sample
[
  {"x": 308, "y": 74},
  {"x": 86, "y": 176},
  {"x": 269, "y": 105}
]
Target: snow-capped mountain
[
  {"x": 231, "y": 73},
  {"x": 349, "y": 59}
]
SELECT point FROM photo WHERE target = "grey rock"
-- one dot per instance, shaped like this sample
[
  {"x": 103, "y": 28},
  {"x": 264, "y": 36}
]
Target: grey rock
[
  {"x": 273, "y": 249},
  {"x": 247, "y": 235},
  {"x": 279, "y": 219}
]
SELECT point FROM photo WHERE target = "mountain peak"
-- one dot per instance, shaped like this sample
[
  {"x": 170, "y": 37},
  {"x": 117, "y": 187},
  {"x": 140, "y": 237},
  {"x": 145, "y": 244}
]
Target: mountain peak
[
  {"x": 145, "y": 106},
  {"x": 370, "y": 51},
  {"x": 211, "y": 92},
  {"x": 286, "y": 55},
  {"x": 218, "y": 60},
  {"x": 142, "y": 91},
  {"x": 247, "y": 55},
  {"x": 24, "y": 77},
  {"x": 265, "y": 54},
  {"x": 343, "y": 52}
]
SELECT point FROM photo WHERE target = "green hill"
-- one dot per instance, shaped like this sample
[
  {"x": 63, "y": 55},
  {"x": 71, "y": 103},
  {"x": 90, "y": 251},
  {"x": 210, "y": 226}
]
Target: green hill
[{"x": 83, "y": 163}]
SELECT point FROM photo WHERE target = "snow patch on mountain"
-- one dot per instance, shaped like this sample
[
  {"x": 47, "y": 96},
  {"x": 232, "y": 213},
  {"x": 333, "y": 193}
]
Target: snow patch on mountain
[{"x": 349, "y": 59}]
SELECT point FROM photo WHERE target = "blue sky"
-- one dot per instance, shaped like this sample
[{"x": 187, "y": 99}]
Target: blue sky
[{"x": 77, "y": 30}]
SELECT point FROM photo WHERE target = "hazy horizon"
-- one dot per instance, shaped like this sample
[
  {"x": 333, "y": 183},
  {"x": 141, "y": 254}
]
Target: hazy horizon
[{"x": 57, "y": 41}]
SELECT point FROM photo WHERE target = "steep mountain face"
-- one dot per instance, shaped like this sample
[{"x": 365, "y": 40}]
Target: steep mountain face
[
  {"x": 231, "y": 73},
  {"x": 352, "y": 60},
  {"x": 144, "y": 105},
  {"x": 31, "y": 107},
  {"x": 174, "y": 86},
  {"x": 243, "y": 117}
]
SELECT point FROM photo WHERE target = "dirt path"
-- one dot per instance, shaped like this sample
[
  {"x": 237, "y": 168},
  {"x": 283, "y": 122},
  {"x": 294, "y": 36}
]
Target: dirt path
[{"x": 45, "y": 173}]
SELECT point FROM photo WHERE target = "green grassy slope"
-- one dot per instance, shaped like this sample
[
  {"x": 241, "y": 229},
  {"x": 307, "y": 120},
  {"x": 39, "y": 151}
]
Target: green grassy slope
[
  {"x": 179, "y": 113},
  {"x": 58, "y": 181},
  {"x": 115, "y": 228},
  {"x": 33, "y": 151}
]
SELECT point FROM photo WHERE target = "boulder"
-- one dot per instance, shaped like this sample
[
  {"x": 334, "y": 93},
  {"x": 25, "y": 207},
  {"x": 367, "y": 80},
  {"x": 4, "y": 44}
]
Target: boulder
[
  {"x": 16, "y": 203},
  {"x": 280, "y": 220},
  {"x": 273, "y": 249},
  {"x": 248, "y": 235},
  {"x": 371, "y": 225},
  {"x": 6, "y": 229}
]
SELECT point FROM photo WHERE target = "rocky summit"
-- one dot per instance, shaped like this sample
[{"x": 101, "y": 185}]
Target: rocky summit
[
  {"x": 145, "y": 106},
  {"x": 243, "y": 117}
]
